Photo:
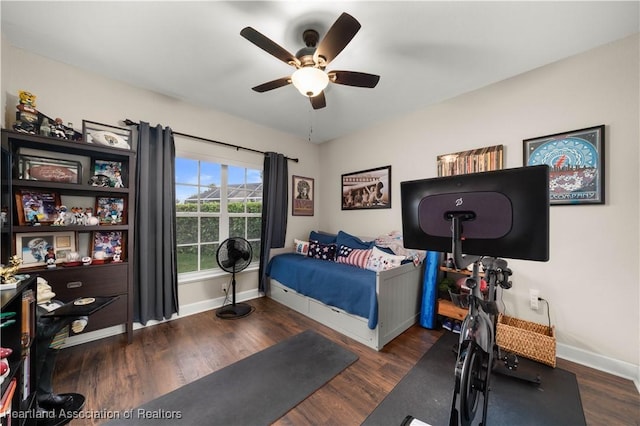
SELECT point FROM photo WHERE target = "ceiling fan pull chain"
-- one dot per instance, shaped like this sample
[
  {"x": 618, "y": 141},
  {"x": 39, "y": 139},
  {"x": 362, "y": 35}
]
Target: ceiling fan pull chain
[{"x": 310, "y": 123}]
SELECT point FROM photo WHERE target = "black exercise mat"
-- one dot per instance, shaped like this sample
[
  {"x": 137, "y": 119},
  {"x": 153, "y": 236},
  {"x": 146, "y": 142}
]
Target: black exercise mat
[
  {"x": 427, "y": 390},
  {"x": 254, "y": 391}
]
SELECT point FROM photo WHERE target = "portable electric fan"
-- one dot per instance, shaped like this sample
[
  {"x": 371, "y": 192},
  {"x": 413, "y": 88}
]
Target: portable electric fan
[{"x": 234, "y": 255}]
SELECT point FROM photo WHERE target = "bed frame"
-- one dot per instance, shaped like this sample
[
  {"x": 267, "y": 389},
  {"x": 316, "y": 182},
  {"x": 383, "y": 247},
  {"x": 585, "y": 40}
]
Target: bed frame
[{"x": 399, "y": 298}]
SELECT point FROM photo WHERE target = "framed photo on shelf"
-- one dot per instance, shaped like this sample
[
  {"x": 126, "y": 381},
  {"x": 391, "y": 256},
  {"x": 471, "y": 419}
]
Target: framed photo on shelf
[
  {"x": 368, "y": 189},
  {"x": 109, "y": 173},
  {"x": 33, "y": 247},
  {"x": 106, "y": 135},
  {"x": 49, "y": 169},
  {"x": 302, "y": 188},
  {"x": 37, "y": 207},
  {"x": 576, "y": 164},
  {"x": 111, "y": 210},
  {"x": 108, "y": 242}
]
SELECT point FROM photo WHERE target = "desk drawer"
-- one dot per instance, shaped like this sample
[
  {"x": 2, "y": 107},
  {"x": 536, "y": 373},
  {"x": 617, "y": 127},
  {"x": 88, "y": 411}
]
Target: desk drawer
[{"x": 102, "y": 280}]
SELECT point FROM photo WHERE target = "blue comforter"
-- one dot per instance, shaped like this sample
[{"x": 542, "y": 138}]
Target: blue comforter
[{"x": 344, "y": 286}]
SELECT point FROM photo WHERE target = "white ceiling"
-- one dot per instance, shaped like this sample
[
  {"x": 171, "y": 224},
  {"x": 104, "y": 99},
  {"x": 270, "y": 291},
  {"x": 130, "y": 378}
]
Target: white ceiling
[{"x": 425, "y": 52}]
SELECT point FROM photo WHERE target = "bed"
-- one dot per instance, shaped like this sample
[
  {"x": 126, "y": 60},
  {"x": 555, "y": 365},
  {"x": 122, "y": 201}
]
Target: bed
[{"x": 371, "y": 307}]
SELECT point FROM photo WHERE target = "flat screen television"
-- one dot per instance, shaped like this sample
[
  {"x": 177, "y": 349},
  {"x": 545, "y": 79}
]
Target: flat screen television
[{"x": 505, "y": 213}]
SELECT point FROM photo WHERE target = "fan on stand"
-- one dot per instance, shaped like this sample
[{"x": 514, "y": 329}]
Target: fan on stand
[{"x": 234, "y": 255}]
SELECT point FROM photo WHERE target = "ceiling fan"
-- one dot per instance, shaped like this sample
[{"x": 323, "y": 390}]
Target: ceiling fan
[{"x": 310, "y": 62}]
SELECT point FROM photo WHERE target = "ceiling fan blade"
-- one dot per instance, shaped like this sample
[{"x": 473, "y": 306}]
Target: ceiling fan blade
[
  {"x": 270, "y": 85},
  {"x": 338, "y": 36},
  {"x": 353, "y": 78},
  {"x": 318, "y": 101},
  {"x": 269, "y": 46}
]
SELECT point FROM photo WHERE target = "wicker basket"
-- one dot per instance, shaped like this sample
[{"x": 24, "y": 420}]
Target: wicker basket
[{"x": 527, "y": 339}]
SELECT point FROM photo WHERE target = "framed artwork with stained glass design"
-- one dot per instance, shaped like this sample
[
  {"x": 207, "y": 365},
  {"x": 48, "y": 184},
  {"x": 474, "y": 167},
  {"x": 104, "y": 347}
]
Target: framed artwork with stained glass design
[{"x": 576, "y": 164}]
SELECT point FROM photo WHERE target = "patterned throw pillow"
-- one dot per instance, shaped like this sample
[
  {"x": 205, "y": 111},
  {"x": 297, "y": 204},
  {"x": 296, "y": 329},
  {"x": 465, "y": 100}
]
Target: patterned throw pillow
[
  {"x": 351, "y": 256},
  {"x": 322, "y": 251},
  {"x": 300, "y": 247},
  {"x": 381, "y": 261}
]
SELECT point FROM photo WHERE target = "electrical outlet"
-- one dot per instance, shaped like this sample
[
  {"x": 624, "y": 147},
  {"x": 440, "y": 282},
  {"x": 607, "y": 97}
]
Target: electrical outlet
[
  {"x": 225, "y": 287},
  {"x": 533, "y": 299}
]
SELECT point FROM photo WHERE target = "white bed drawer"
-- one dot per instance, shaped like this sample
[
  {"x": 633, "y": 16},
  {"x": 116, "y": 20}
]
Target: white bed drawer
[
  {"x": 351, "y": 325},
  {"x": 289, "y": 297}
]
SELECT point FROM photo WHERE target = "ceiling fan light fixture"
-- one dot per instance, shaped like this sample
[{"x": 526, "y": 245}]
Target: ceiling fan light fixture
[{"x": 310, "y": 81}]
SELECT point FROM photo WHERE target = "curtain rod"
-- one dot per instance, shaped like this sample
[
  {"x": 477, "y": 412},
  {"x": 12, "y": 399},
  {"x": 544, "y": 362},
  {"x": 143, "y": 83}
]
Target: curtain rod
[{"x": 237, "y": 147}]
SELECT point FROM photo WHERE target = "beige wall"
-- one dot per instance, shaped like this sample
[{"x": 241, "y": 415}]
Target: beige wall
[{"x": 592, "y": 279}]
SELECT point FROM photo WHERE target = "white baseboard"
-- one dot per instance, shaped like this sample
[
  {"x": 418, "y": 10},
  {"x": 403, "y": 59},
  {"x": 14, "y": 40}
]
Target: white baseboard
[
  {"x": 599, "y": 362},
  {"x": 570, "y": 353},
  {"x": 186, "y": 310}
]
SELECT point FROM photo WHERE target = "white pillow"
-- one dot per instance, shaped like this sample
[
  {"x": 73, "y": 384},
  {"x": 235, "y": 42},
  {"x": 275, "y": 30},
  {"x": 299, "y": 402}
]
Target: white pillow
[
  {"x": 381, "y": 261},
  {"x": 300, "y": 247}
]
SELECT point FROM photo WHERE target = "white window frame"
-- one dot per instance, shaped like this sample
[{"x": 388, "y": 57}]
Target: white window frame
[{"x": 223, "y": 215}]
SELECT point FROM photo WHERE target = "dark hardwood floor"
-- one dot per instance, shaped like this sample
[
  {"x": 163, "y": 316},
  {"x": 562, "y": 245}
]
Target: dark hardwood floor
[{"x": 114, "y": 376}]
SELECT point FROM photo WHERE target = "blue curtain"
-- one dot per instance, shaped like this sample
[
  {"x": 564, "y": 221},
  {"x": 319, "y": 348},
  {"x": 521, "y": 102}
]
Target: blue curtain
[
  {"x": 275, "y": 201},
  {"x": 155, "y": 257},
  {"x": 430, "y": 290}
]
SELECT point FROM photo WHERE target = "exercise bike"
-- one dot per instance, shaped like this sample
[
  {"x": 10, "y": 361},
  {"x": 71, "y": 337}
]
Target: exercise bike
[
  {"x": 478, "y": 355},
  {"x": 505, "y": 213}
]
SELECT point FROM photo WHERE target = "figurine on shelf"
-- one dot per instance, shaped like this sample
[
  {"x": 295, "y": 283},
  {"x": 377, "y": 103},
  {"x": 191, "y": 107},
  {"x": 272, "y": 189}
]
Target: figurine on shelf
[
  {"x": 50, "y": 258},
  {"x": 62, "y": 213},
  {"x": 7, "y": 273},
  {"x": 58, "y": 129},
  {"x": 69, "y": 132},
  {"x": 117, "y": 254},
  {"x": 117, "y": 179},
  {"x": 115, "y": 214},
  {"x": 45, "y": 127},
  {"x": 81, "y": 216},
  {"x": 73, "y": 216},
  {"x": 27, "y": 115},
  {"x": 33, "y": 214}
]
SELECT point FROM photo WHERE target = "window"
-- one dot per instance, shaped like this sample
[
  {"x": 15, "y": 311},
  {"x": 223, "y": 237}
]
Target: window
[{"x": 214, "y": 202}]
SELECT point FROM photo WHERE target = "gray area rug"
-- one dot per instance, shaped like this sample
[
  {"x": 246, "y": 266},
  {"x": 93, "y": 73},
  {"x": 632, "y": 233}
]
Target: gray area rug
[
  {"x": 426, "y": 393},
  {"x": 256, "y": 390}
]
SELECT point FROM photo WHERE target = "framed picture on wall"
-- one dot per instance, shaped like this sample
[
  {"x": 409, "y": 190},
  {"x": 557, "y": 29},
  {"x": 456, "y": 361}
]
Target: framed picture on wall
[
  {"x": 302, "y": 195},
  {"x": 367, "y": 189},
  {"x": 576, "y": 164}
]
